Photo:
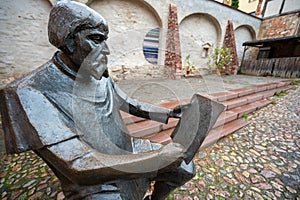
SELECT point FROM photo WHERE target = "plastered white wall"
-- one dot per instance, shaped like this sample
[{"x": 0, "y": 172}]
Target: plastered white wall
[
  {"x": 24, "y": 42},
  {"x": 242, "y": 34},
  {"x": 196, "y": 31}
]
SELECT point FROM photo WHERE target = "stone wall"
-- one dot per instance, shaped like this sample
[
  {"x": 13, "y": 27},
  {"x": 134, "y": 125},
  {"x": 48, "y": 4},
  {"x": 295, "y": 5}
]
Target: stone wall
[
  {"x": 23, "y": 38},
  {"x": 286, "y": 25},
  {"x": 25, "y": 46},
  {"x": 199, "y": 33},
  {"x": 148, "y": 71},
  {"x": 242, "y": 34}
]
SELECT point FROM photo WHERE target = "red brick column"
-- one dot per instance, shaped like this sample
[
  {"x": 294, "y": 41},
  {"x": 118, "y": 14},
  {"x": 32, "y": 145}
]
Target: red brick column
[
  {"x": 229, "y": 42},
  {"x": 173, "y": 62}
]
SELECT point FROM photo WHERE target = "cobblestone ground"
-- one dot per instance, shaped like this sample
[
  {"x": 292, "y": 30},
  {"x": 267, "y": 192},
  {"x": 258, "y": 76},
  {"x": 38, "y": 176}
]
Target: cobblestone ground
[{"x": 260, "y": 161}]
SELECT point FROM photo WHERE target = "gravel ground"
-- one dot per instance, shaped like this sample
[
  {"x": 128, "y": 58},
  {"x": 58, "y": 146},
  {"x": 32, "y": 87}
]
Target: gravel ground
[{"x": 260, "y": 161}]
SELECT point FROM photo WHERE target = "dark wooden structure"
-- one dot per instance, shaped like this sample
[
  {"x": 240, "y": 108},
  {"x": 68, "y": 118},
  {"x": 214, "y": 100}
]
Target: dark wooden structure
[
  {"x": 277, "y": 57},
  {"x": 280, "y": 67}
]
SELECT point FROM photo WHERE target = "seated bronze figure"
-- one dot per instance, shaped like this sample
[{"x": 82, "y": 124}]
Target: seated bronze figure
[{"x": 68, "y": 112}]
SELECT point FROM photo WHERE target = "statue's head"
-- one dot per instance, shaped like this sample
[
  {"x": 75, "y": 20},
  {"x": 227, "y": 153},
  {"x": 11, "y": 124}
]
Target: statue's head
[{"x": 76, "y": 29}]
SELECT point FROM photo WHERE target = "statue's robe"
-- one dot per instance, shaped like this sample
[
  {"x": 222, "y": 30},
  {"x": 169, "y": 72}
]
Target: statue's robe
[{"x": 75, "y": 126}]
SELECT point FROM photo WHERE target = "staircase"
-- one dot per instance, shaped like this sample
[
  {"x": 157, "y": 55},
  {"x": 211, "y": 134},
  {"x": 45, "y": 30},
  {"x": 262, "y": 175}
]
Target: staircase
[{"x": 238, "y": 102}]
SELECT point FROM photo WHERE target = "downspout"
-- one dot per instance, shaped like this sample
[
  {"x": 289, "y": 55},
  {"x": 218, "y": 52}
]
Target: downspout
[{"x": 242, "y": 63}]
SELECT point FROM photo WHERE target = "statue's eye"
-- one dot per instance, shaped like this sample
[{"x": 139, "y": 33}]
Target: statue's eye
[{"x": 97, "y": 38}]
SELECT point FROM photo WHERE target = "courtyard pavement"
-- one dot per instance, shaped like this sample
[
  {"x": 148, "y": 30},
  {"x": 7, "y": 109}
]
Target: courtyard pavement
[{"x": 260, "y": 161}]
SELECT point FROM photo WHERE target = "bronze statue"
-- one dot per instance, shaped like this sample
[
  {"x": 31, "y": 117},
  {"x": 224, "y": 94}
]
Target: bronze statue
[{"x": 68, "y": 112}]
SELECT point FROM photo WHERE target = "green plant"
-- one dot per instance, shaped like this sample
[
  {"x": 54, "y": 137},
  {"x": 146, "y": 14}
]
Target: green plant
[
  {"x": 187, "y": 59},
  {"x": 235, "y": 4},
  {"x": 273, "y": 102},
  {"x": 220, "y": 58},
  {"x": 24, "y": 197},
  {"x": 294, "y": 83},
  {"x": 280, "y": 94},
  {"x": 170, "y": 197},
  {"x": 245, "y": 116},
  {"x": 189, "y": 67}
]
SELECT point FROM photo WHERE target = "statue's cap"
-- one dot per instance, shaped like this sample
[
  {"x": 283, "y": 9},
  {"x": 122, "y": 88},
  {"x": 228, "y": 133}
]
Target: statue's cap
[{"x": 68, "y": 17}]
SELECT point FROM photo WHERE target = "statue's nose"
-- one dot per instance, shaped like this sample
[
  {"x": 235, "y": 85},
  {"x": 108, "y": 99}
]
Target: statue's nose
[{"x": 105, "y": 48}]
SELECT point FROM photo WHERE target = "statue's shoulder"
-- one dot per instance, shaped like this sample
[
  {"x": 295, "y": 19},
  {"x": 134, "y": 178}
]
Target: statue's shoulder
[
  {"x": 30, "y": 78},
  {"x": 31, "y": 121}
]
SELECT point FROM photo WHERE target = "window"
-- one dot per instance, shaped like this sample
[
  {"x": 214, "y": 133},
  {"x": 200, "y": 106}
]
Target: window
[{"x": 264, "y": 52}]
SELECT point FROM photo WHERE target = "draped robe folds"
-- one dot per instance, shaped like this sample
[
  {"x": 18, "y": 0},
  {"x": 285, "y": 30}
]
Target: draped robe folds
[{"x": 49, "y": 112}]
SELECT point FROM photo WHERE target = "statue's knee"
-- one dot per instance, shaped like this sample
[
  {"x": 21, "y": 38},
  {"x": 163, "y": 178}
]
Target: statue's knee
[{"x": 185, "y": 172}]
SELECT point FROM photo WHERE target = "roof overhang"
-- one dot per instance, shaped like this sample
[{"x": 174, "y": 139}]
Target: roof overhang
[{"x": 266, "y": 42}]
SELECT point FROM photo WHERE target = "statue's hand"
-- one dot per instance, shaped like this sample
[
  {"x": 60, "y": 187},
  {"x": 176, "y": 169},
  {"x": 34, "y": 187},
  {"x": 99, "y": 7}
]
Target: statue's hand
[
  {"x": 95, "y": 64},
  {"x": 177, "y": 111}
]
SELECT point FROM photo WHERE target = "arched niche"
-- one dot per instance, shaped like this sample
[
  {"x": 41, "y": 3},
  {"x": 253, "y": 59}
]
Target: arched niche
[
  {"x": 200, "y": 33},
  {"x": 243, "y": 34},
  {"x": 129, "y": 21}
]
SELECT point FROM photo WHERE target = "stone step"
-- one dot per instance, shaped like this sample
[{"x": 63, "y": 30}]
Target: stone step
[
  {"x": 162, "y": 137},
  {"x": 238, "y": 102},
  {"x": 223, "y": 96},
  {"x": 249, "y": 108},
  {"x": 156, "y": 131},
  {"x": 225, "y": 117},
  {"x": 242, "y": 97},
  {"x": 243, "y": 91},
  {"x": 246, "y": 109},
  {"x": 233, "y": 103},
  {"x": 130, "y": 119},
  {"x": 215, "y": 134},
  {"x": 144, "y": 128},
  {"x": 248, "y": 97}
]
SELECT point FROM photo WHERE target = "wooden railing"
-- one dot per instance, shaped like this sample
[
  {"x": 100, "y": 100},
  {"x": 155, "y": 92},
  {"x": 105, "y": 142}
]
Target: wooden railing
[{"x": 280, "y": 67}]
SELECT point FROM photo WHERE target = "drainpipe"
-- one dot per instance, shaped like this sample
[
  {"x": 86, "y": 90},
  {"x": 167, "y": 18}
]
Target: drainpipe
[{"x": 242, "y": 63}]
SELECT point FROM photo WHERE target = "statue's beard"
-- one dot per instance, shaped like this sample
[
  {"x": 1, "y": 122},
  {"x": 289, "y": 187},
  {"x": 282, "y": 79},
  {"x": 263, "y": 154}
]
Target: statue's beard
[{"x": 87, "y": 76}]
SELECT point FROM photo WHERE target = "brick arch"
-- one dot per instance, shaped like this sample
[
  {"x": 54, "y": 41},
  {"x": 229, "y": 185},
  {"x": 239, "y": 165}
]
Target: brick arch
[{"x": 199, "y": 32}]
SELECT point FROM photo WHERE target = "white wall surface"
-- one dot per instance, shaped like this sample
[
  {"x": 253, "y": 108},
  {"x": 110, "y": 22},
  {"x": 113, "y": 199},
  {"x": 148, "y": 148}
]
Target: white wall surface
[
  {"x": 24, "y": 42},
  {"x": 242, "y": 34},
  {"x": 129, "y": 21},
  {"x": 195, "y": 31},
  {"x": 291, "y": 5}
]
